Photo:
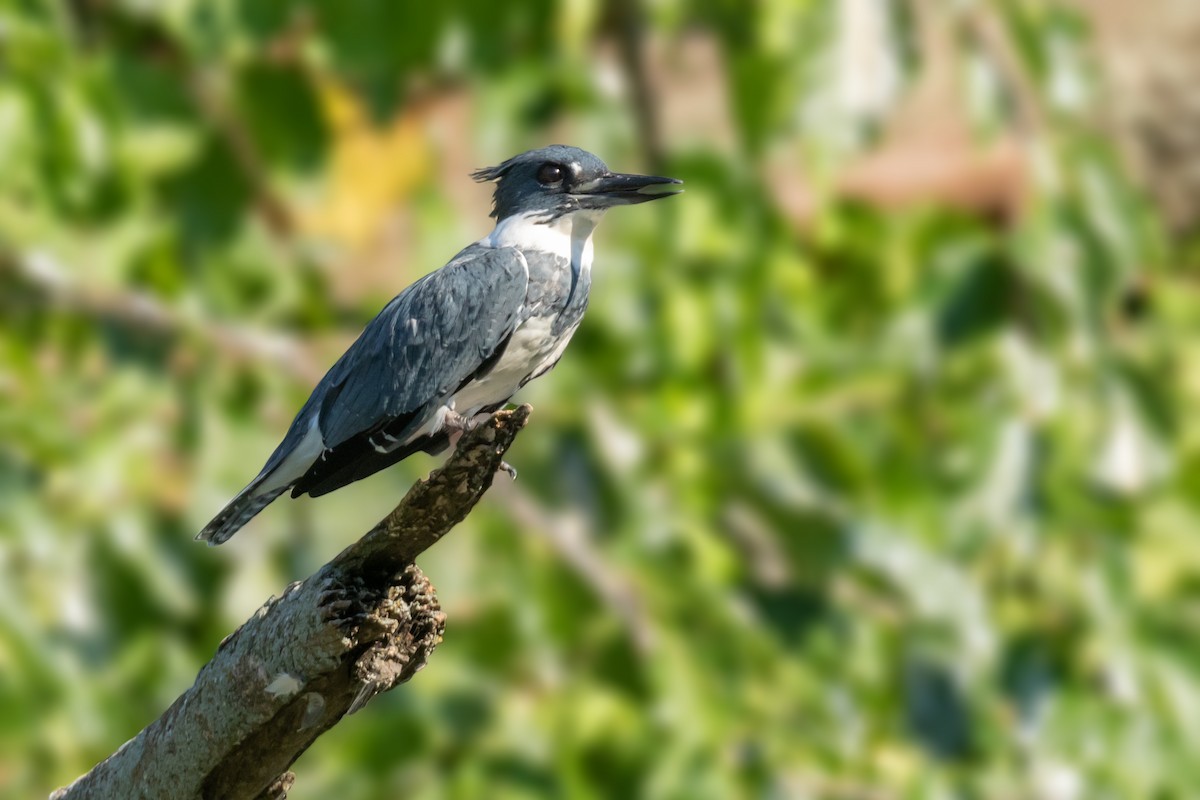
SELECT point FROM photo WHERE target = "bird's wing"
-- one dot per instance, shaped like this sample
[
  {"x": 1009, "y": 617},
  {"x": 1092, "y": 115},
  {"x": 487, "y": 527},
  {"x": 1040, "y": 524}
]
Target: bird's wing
[{"x": 426, "y": 342}]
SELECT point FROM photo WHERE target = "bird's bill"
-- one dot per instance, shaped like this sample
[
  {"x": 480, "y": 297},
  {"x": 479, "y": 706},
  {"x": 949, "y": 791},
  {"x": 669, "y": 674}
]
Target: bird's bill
[{"x": 616, "y": 189}]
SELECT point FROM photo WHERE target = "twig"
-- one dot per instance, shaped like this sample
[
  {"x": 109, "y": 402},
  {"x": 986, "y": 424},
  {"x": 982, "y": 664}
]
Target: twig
[
  {"x": 988, "y": 30},
  {"x": 213, "y": 105},
  {"x": 627, "y": 17},
  {"x": 44, "y": 275},
  {"x": 364, "y": 623},
  {"x": 571, "y": 538},
  {"x": 207, "y": 87}
]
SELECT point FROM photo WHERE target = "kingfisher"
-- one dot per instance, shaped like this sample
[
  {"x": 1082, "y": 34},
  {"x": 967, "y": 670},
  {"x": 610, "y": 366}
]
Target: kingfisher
[{"x": 455, "y": 345}]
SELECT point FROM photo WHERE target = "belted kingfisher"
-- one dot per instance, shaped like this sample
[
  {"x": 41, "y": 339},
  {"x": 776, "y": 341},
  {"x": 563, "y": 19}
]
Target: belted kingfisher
[{"x": 460, "y": 341}]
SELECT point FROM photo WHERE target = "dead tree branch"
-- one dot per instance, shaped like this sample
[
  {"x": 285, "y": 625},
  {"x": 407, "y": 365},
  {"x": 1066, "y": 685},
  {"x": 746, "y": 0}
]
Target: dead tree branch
[{"x": 363, "y": 624}]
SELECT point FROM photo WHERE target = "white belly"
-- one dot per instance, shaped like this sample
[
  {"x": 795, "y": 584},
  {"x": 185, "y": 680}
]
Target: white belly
[{"x": 531, "y": 349}]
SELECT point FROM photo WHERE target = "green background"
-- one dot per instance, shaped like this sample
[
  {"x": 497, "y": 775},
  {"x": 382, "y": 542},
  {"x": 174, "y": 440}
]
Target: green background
[{"x": 831, "y": 496}]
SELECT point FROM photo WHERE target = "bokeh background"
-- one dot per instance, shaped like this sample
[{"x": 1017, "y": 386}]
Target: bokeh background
[{"x": 872, "y": 472}]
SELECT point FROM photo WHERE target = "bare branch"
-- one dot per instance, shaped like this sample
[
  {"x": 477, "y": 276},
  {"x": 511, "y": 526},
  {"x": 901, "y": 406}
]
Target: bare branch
[{"x": 363, "y": 624}]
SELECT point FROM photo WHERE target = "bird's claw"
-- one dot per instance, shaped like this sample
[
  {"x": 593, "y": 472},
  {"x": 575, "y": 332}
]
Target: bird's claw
[{"x": 509, "y": 469}]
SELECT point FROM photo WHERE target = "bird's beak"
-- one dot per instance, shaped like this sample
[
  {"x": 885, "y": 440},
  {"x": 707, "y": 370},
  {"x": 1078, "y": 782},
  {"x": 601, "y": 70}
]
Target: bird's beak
[{"x": 616, "y": 189}]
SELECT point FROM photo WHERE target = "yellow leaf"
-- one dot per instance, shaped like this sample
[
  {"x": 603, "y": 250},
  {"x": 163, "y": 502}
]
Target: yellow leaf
[{"x": 373, "y": 168}]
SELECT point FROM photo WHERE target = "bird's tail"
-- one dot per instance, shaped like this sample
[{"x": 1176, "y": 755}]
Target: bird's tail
[{"x": 240, "y": 510}]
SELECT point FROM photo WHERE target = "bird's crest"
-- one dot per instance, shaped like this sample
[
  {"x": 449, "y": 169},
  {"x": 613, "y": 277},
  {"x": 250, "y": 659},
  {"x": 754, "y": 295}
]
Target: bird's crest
[{"x": 485, "y": 174}]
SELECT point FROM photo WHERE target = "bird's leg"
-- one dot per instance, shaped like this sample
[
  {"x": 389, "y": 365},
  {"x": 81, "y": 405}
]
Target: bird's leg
[{"x": 457, "y": 425}]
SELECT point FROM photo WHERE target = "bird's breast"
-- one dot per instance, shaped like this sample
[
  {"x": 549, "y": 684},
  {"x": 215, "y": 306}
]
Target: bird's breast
[
  {"x": 534, "y": 347},
  {"x": 558, "y": 259}
]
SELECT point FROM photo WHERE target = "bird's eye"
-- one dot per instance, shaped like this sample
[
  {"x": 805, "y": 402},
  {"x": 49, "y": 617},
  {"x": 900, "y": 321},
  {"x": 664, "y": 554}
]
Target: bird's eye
[{"x": 550, "y": 173}]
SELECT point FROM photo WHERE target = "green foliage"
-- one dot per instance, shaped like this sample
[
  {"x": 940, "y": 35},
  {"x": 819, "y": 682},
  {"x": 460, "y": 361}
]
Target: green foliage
[{"x": 893, "y": 503}]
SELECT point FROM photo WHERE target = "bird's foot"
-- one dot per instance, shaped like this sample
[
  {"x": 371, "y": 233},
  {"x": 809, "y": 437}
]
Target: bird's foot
[{"x": 457, "y": 423}]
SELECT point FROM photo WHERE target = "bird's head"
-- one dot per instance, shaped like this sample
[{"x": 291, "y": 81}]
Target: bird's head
[{"x": 559, "y": 179}]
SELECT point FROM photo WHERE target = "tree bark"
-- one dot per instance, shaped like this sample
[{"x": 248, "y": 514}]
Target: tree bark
[{"x": 364, "y": 623}]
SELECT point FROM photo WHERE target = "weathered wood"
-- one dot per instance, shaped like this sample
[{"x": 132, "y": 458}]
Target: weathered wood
[{"x": 364, "y": 623}]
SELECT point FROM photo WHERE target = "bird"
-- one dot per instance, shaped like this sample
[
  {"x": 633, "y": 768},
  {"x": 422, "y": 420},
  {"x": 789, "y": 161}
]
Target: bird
[{"x": 457, "y": 344}]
